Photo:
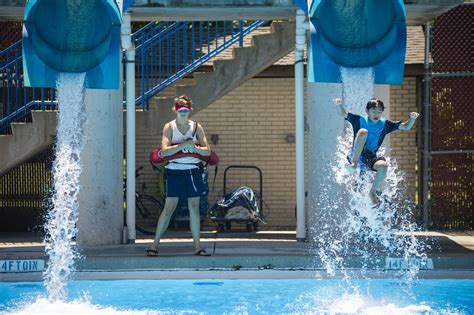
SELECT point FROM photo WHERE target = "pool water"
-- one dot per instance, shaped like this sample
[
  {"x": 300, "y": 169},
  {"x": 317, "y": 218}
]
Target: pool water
[{"x": 243, "y": 297}]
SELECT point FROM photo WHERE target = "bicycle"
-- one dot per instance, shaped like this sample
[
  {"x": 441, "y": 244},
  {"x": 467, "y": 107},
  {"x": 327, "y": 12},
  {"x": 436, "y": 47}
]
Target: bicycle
[{"x": 147, "y": 210}]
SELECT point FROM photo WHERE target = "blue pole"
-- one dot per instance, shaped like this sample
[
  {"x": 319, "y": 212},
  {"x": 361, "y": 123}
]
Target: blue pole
[{"x": 241, "y": 36}]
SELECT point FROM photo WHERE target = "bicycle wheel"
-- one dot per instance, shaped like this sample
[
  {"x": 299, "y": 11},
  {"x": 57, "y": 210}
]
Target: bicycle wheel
[{"x": 147, "y": 212}]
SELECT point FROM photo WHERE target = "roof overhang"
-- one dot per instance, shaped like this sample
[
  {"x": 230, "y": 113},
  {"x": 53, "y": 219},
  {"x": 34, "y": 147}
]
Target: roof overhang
[{"x": 418, "y": 11}]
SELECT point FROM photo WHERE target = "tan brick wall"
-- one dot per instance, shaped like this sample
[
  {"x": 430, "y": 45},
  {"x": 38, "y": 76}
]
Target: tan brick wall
[
  {"x": 403, "y": 100},
  {"x": 252, "y": 123}
]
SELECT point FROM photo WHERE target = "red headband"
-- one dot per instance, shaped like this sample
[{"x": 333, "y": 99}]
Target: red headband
[{"x": 178, "y": 106}]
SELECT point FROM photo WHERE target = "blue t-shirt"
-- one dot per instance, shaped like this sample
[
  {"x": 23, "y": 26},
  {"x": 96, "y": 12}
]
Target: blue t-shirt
[{"x": 376, "y": 132}]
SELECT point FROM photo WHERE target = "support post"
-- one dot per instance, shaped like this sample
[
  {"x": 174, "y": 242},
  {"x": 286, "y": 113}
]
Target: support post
[
  {"x": 101, "y": 195},
  {"x": 130, "y": 125},
  {"x": 301, "y": 27},
  {"x": 426, "y": 127}
]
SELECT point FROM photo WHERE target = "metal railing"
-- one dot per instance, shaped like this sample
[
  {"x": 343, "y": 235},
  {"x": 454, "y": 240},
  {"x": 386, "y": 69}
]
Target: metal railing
[
  {"x": 164, "y": 57},
  {"x": 17, "y": 100},
  {"x": 165, "y": 53}
]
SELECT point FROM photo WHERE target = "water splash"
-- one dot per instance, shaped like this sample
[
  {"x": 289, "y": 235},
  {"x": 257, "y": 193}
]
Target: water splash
[
  {"x": 79, "y": 306},
  {"x": 357, "y": 88},
  {"x": 335, "y": 302},
  {"x": 349, "y": 225},
  {"x": 62, "y": 216}
]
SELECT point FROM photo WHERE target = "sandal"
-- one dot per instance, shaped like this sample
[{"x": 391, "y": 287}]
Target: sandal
[
  {"x": 151, "y": 252},
  {"x": 202, "y": 252}
]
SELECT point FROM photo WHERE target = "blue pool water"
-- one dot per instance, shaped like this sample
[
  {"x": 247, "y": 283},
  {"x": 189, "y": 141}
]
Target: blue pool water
[{"x": 244, "y": 297}]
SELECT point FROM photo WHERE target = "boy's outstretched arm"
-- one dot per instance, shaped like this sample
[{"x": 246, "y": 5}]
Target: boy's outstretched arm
[
  {"x": 340, "y": 109},
  {"x": 410, "y": 122}
]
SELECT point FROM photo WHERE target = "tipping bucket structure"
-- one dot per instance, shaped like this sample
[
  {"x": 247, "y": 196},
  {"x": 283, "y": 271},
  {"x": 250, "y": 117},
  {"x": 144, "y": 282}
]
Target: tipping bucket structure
[
  {"x": 357, "y": 34},
  {"x": 72, "y": 36}
]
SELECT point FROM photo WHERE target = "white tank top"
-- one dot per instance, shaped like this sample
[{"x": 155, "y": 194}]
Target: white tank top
[{"x": 183, "y": 163}]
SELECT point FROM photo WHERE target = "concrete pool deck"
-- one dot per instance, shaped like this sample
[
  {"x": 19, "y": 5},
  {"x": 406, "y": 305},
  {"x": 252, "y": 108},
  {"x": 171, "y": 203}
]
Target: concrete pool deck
[{"x": 237, "y": 254}]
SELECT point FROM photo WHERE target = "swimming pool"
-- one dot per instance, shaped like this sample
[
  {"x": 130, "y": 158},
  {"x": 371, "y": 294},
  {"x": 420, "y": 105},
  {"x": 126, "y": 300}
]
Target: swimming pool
[{"x": 244, "y": 297}]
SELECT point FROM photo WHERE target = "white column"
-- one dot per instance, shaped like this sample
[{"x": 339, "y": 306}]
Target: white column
[
  {"x": 325, "y": 125},
  {"x": 324, "y": 128},
  {"x": 301, "y": 27},
  {"x": 130, "y": 125},
  {"x": 100, "y": 220}
]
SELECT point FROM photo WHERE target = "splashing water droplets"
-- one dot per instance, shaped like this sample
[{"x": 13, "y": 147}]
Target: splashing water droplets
[
  {"x": 62, "y": 216},
  {"x": 353, "y": 227}
]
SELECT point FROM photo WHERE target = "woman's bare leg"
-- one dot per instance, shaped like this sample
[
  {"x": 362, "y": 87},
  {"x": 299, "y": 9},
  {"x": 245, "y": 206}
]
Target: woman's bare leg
[
  {"x": 164, "y": 220},
  {"x": 195, "y": 221}
]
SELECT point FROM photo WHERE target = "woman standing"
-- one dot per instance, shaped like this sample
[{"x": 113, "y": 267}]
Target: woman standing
[{"x": 184, "y": 173}]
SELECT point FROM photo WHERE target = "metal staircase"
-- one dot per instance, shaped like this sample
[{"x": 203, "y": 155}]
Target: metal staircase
[{"x": 165, "y": 53}]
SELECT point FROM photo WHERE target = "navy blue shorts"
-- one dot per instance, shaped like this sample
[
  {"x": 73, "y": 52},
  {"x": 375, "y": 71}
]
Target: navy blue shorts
[
  {"x": 184, "y": 183},
  {"x": 370, "y": 159},
  {"x": 367, "y": 161}
]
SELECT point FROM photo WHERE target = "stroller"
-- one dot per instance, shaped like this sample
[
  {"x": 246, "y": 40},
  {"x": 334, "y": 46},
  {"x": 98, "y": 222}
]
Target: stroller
[{"x": 239, "y": 206}]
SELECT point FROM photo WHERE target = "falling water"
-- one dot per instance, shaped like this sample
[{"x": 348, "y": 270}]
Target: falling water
[
  {"x": 351, "y": 226},
  {"x": 62, "y": 217}
]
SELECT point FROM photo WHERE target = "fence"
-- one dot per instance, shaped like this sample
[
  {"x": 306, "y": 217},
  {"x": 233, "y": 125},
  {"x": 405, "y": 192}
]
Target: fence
[
  {"x": 24, "y": 194},
  {"x": 452, "y": 120}
]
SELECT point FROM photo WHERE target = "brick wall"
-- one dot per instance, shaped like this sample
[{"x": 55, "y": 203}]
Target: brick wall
[
  {"x": 403, "y": 100},
  {"x": 253, "y": 122}
]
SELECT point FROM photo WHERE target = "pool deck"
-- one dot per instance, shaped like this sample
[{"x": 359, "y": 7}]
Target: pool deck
[{"x": 262, "y": 254}]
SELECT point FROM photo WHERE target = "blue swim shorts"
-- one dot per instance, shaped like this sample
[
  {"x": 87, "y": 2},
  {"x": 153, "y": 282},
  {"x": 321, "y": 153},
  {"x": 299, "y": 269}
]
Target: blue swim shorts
[{"x": 184, "y": 183}]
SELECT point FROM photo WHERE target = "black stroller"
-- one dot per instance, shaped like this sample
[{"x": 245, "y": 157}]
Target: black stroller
[{"x": 240, "y": 206}]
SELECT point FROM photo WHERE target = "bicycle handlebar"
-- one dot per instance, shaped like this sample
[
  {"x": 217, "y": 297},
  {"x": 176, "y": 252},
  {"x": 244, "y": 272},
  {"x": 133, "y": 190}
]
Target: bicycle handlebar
[{"x": 137, "y": 171}]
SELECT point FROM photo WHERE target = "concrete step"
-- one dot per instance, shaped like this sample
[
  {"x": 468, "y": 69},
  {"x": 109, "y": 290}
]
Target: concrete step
[
  {"x": 237, "y": 255},
  {"x": 271, "y": 254},
  {"x": 27, "y": 140}
]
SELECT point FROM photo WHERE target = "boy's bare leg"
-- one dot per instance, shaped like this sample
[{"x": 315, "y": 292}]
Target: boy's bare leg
[
  {"x": 381, "y": 167},
  {"x": 164, "y": 220},
  {"x": 359, "y": 143},
  {"x": 195, "y": 221}
]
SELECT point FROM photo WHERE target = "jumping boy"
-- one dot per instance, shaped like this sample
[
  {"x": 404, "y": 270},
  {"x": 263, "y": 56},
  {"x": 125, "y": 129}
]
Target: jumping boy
[{"x": 369, "y": 132}]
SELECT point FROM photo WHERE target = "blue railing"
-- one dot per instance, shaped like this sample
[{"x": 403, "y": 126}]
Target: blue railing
[
  {"x": 165, "y": 53},
  {"x": 177, "y": 49},
  {"x": 17, "y": 101}
]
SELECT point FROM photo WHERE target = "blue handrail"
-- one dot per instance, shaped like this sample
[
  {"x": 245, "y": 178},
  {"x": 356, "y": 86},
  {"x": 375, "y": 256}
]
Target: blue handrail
[
  {"x": 18, "y": 101},
  {"x": 164, "y": 57},
  {"x": 165, "y": 53},
  {"x": 9, "y": 54}
]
